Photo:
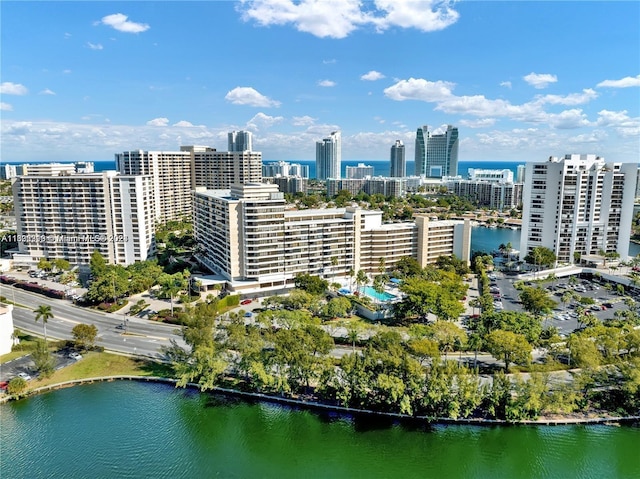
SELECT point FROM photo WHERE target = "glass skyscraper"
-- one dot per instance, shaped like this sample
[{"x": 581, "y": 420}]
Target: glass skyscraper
[
  {"x": 240, "y": 141},
  {"x": 436, "y": 155},
  {"x": 329, "y": 157},
  {"x": 398, "y": 161}
]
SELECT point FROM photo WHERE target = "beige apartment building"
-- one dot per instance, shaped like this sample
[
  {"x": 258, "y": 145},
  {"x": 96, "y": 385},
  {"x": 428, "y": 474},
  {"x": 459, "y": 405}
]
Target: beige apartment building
[
  {"x": 214, "y": 170},
  {"x": 246, "y": 235},
  {"x": 62, "y": 214}
]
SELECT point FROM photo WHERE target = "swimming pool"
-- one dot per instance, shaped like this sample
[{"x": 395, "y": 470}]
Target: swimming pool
[{"x": 383, "y": 297}]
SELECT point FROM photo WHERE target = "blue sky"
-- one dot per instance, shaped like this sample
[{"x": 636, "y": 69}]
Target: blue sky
[{"x": 521, "y": 80}]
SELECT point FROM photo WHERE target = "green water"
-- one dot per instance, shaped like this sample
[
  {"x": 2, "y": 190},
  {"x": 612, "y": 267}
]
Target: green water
[{"x": 136, "y": 430}]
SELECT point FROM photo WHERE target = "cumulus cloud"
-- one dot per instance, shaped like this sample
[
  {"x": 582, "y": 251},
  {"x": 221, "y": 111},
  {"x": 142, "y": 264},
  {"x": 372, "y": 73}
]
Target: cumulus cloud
[
  {"x": 158, "y": 122},
  {"x": 5, "y": 107},
  {"x": 372, "y": 76},
  {"x": 326, "y": 83},
  {"x": 569, "y": 119},
  {"x": 540, "y": 80},
  {"x": 572, "y": 99},
  {"x": 419, "y": 89},
  {"x": 621, "y": 122},
  {"x": 339, "y": 18},
  {"x": 303, "y": 120},
  {"x": 262, "y": 120},
  {"x": 625, "y": 82},
  {"x": 483, "y": 123},
  {"x": 181, "y": 123},
  {"x": 9, "y": 88},
  {"x": 249, "y": 96},
  {"x": 46, "y": 91},
  {"x": 95, "y": 46},
  {"x": 120, "y": 22}
]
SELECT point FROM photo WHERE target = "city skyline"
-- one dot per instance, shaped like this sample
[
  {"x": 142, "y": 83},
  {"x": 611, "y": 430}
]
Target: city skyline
[{"x": 517, "y": 79}]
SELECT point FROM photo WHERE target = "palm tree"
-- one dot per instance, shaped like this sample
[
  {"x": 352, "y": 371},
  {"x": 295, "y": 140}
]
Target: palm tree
[{"x": 43, "y": 312}]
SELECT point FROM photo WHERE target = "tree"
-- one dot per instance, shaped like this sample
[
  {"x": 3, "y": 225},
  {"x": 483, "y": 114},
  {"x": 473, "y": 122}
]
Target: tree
[
  {"x": 61, "y": 264},
  {"x": 508, "y": 346},
  {"x": 43, "y": 312},
  {"x": 42, "y": 359},
  {"x": 111, "y": 284},
  {"x": 541, "y": 256},
  {"x": 447, "y": 335},
  {"x": 536, "y": 301},
  {"x": 311, "y": 284},
  {"x": 84, "y": 335},
  {"x": 97, "y": 264},
  {"x": 583, "y": 352},
  {"x": 44, "y": 264},
  {"x": 16, "y": 386},
  {"x": 337, "y": 307},
  {"x": 171, "y": 285},
  {"x": 362, "y": 279}
]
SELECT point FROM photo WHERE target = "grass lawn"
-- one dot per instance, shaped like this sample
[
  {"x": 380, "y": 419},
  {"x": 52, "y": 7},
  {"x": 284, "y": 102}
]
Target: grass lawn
[{"x": 94, "y": 364}]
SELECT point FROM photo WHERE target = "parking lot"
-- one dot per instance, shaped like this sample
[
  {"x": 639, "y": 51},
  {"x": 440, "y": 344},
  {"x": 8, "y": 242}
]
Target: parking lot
[{"x": 564, "y": 316}]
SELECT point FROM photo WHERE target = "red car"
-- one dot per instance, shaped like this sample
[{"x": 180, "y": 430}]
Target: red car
[{"x": 246, "y": 301}]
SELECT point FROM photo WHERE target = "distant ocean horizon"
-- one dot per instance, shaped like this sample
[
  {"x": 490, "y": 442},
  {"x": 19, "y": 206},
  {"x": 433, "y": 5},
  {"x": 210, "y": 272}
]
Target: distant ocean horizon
[{"x": 380, "y": 167}]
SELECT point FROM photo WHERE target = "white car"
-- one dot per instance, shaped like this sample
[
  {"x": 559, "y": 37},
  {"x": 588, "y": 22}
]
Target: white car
[
  {"x": 24, "y": 376},
  {"x": 75, "y": 356}
]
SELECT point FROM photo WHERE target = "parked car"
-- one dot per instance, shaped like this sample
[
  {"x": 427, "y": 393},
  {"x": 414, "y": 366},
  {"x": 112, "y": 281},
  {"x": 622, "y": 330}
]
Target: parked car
[
  {"x": 248, "y": 314},
  {"x": 24, "y": 376},
  {"x": 76, "y": 356},
  {"x": 246, "y": 301}
]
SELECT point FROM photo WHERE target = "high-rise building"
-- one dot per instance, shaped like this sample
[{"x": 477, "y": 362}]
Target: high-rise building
[
  {"x": 284, "y": 168},
  {"x": 359, "y": 172},
  {"x": 171, "y": 173},
  {"x": 246, "y": 235},
  {"x": 240, "y": 141},
  {"x": 213, "y": 169},
  {"x": 436, "y": 156},
  {"x": 329, "y": 157},
  {"x": 521, "y": 171},
  {"x": 578, "y": 205},
  {"x": 67, "y": 215},
  {"x": 398, "y": 161}
]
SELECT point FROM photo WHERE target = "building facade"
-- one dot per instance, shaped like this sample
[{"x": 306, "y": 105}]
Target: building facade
[
  {"x": 329, "y": 157},
  {"x": 246, "y": 235},
  {"x": 67, "y": 215},
  {"x": 359, "y": 172},
  {"x": 240, "y": 141},
  {"x": 284, "y": 168},
  {"x": 213, "y": 169},
  {"x": 398, "y": 166},
  {"x": 171, "y": 176},
  {"x": 578, "y": 205},
  {"x": 436, "y": 156}
]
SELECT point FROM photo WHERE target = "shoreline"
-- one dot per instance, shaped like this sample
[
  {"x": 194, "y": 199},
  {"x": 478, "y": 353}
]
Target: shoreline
[{"x": 321, "y": 407}]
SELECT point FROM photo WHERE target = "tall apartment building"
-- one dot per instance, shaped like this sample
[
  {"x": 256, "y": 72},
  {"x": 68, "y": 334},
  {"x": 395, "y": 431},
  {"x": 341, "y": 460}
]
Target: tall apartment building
[
  {"x": 495, "y": 176},
  {"x": 213, "y": 169},
  {"x": 171, "y": 176},
  {"x": 520, "y": 173},
  {"x": 329, "y": 157},
  {"x": 8, "y": 171},
  {"x": 492, "y": 194},
  {"x": 359, "y": 172},
  {"x": 240, "y": 141},
  {"x": 578, "y": 205},
  {"x": 436, "y": 156},
  {"x": 398, "y": 167},
  {"x": 61, "y": 214},
  {"x": 290, "y": 184},
  {"x": 284, "y": 168},
  {"x": 246, "y": 235}
]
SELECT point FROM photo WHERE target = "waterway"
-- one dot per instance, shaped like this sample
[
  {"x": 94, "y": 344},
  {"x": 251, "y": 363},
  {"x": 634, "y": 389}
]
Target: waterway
[
  {"x": 489, "y": 239},
  {"x": 139, "y": 430}
]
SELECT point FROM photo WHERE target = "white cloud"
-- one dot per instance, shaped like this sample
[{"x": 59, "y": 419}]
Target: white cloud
[
  {"x": 249, "y": 96},
  {"x": 262, "y": 120},
  {"x": 303, "y": 120},
  {"x": 372, "y": 76},
  {"x": 67, "y": 35},
  {"x": 419, "y": 89},
  {"x": 9, "y": 88},
  {"x": 46, "y": 91},
  {"x": 621, "y": 122},
  {"x": 483, "y": 123},
  {"x": 331, "y": 61},
  {"x": 66, "y": 72},
  {"x": 158, "y": 122},
  {"x": 181, "y": 123},
  {"x": 569, "y": 119},
  {"x": 625, "y": 82},
  {"x": 572, "y": 99},
  {"x": 95, "y": 46},
  {"x": 339, "y": 18},
  {"x": 540, "y": 80},
  {"x": 326, "y": 83},
  {"x": 5, "y": 107},
  {"x": 506, "y": 84},
  {"x": 120, "y": 22}
]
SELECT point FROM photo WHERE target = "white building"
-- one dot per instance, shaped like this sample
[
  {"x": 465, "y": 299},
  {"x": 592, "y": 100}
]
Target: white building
[
  {"x": 398, "y": 166},
  {"x": 329, "y": 157},
  {"x": 284, "y": 168},
  {"x": 171, "y": 175},
  {"x": 578, "y": 205},
  {"x": 240, "y": 141},
  {"x": 359, "y": 172},
  {"x": 67, "y": 215},
  {"x": 494, "y": 176},
  {"x": 213, "y": 169},
  {"x": 6, "y": 328},
  {"x": 246, "y": 235}
]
